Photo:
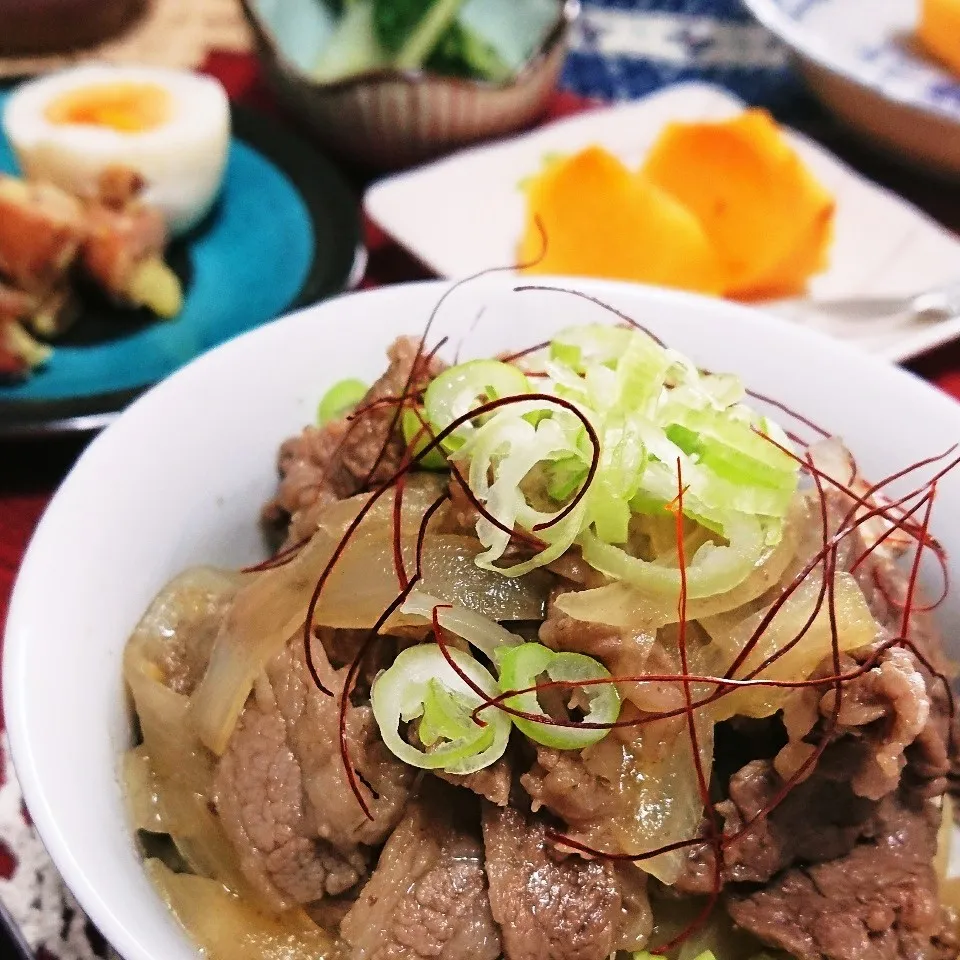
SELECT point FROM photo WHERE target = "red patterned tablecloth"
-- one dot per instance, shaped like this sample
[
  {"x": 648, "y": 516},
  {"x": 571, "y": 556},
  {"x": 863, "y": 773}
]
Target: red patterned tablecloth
[{"x": 30, "y": 472}]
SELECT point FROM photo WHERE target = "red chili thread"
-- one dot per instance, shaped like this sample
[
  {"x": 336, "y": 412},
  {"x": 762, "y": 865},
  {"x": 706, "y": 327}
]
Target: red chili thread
[
  {"x": 418, "y": 356},
  {"x": 626, "y": 318},
  {"x": 278, "y": 559},
  {"x": 780, "y": 405},
  {"x": 348, "y": 683},
  {"x": 398, "y": 565},
  {"x": 713, "y": 830},
  {"x": 354, "y": 669},
  {"x": 457, "y": 669},
  {"x": 520, "y": 354}
]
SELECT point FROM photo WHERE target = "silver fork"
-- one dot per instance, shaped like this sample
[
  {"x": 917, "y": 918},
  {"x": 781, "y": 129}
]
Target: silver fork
[{"x": 930, "y": 306}]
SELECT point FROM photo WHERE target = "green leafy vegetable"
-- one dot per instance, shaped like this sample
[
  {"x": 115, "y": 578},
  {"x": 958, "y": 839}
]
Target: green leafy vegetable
[
  {"x": 411, "y": 29},
  {"x": 353, "y": 47},
  {"x": 409, "y": 35},
  {"x": 463, "y": 53}
]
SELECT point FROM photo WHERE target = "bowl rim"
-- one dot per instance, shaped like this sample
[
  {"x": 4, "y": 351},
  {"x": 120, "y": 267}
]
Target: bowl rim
[
  {"x": 16, "y": 649},
  {"x": 805, "y": 44},
  {"x": 568, "y": 12}
]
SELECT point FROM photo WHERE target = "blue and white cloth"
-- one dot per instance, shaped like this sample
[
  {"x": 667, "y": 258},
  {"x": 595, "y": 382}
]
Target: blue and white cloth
[{"x": 624, "y": 49}]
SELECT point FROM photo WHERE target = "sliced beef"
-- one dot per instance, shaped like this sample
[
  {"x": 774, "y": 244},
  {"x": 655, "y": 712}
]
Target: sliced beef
[
  {"x": 283, "y": 794},
  {"x": 303, "y": 492},
  {"x": 345, "y": 457},
  {"x": 560, "y": 781},
  {"x": 493, "y": 783},
  {"x": 428, "y": 895},
  {"x": 549, "y": 906},
  {"x": 877, "y": 901},
  {"x": 370, "y": 453},
  {"x": 584, "y": 788},
  {"x": 820, "y": 819},
  {"x": 884, "y": 710},
  {"x": 260, "y": 800},
  {"x": 934, "y": 752},
  {"x": 313, "y": 732}
]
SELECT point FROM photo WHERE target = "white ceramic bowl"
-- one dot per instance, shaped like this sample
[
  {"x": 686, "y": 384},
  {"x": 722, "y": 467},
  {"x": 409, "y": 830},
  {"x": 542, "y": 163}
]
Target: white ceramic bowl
[
  {"x": 178, "y": 480},
  {"x": 863, "y": 61}
]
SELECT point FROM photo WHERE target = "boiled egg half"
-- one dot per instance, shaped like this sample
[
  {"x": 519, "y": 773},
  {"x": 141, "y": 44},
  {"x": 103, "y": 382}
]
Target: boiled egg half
[{"x": 170, "y": 126}]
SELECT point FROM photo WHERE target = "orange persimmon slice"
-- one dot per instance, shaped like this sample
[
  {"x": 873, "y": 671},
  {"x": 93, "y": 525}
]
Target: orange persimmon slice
[
  {"x": 939, "y": 30},
  {"x": 601, "y": 220},
  {"x": 768, "y": 218}
]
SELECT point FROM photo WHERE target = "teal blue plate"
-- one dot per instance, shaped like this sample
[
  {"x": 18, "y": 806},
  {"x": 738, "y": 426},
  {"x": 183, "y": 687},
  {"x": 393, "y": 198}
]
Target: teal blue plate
[{"x": 284, "y": 234}]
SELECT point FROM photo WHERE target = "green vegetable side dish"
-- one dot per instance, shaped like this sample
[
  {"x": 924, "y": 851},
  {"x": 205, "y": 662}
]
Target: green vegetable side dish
[
  {"x": 634, "y": 421},
  {"x": 475, "y": 39}
]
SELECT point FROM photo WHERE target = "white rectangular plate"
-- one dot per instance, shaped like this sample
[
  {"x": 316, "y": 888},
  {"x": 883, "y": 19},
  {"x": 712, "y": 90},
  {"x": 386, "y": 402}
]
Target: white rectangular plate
[{"x": 464, "y": 213}]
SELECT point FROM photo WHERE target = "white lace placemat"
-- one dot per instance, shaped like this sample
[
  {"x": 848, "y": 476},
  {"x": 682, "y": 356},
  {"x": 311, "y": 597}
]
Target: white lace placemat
[{"x": 42, "y": 907}]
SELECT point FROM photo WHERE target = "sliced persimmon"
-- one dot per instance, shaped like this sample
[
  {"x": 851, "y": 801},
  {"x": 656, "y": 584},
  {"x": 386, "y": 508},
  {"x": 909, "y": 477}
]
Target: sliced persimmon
[
  {"x": 601, "y": 220},
  {"x": 767, "y": 216},
  {"x": 939, "y": 31}
]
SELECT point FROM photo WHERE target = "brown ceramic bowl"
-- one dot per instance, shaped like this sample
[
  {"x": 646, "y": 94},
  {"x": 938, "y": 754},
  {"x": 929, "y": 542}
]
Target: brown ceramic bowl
[{"x": 390, "y": 118}]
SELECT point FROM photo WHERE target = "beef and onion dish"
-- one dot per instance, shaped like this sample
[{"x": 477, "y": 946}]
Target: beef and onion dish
[{"x": 578, "y": 651}]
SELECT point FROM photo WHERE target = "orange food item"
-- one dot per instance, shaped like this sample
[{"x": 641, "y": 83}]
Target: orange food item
[
  {"x": 768, "y": 218},
  {"x": 124, "y": 107},
  {"x": 939, "y": 30},
  {"x": 602, "y": 220}
]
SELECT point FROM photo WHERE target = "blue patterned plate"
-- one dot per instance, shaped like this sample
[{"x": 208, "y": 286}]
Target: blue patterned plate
[
  {"x": 284, "y": 234},
  {"x": 864, "y": 61}
]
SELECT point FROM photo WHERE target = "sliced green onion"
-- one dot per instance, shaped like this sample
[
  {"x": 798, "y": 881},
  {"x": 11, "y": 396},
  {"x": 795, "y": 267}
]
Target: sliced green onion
[
  {"x": 593, "y": 344},
  {"x": 414, "y": 432},
  {"x": 466, "y": 386},
  {"x": 651, "y": 409},
  {"x": 340, "y": 399},
  {"x": 520, "y": 667},
  {"x": 712, "y": 569},
  {"x": 421, "y": 685},
  {"x": 564, "y": 477},
  {"x": 445, "y": 715}
]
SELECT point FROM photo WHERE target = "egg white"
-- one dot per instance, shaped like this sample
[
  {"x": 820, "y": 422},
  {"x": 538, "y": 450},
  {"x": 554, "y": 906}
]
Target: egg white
[{"x": 182, "y": 160}]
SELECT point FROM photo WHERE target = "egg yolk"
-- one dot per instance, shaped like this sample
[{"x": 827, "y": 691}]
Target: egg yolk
[{"x": 124, "y": 107}]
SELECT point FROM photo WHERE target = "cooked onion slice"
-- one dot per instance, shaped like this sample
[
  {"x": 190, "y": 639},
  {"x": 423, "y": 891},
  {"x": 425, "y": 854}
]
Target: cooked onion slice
[
  {"x": 272, "y": 608},
  {"x": 224, "y": 925},
  {"x": 730, "y": 633}
]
